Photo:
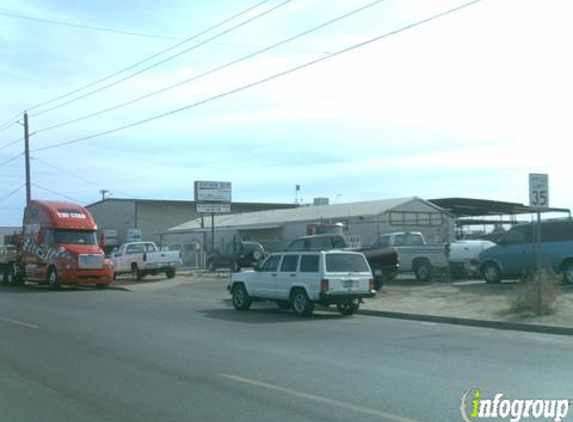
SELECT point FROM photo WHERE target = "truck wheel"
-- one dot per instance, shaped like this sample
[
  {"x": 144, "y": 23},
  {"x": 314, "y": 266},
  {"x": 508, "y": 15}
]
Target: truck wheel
[
  {"x": 241, "y": 299},
  {"x": 301, "y": 304},
  {"x": 491, "y": 273},
  {"x": 15, "y": 277},
  {"x": 423, "y": 271},
  {"x": 53, "y": 279},
  {"x": 349, "y": 307},
  {"x": 170, "y": 273},
  {"x": 7, "y": 276},
  {"x": 235, "y": 267},
  {"x": 136, "y": 274}
]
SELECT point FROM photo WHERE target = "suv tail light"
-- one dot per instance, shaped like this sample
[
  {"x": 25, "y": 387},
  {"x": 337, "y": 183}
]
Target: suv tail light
[
  {"x": 324, "y": 285},
  {"x": 371, "y": 283}
]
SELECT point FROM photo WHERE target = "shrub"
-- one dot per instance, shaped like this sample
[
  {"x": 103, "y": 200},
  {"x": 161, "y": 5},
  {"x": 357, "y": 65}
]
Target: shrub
[{"x": 537, "y": 294}]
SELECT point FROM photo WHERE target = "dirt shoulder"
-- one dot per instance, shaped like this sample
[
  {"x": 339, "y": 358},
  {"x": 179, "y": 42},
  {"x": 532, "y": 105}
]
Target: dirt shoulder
[{"x": 468, "y": 299}]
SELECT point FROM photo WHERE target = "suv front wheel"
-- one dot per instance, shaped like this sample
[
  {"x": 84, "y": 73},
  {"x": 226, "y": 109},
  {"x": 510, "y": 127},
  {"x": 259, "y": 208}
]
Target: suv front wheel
[
  {"x": 301, "y": 304},
  {"x": 241, "y": 299}
]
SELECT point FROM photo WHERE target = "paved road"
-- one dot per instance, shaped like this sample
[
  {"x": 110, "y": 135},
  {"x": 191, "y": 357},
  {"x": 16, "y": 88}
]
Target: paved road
[{"x": 183, "y": 354}]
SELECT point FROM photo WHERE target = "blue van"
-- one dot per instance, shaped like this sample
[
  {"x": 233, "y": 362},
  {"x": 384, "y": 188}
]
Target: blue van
[{"x": 514, "y": 255}]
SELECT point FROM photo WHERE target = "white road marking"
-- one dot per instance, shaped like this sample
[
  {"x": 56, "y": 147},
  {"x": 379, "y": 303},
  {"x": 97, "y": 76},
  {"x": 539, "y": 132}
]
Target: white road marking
[
  {"x": 20, "y": 323},
  {"x": 341, "y": 404}
]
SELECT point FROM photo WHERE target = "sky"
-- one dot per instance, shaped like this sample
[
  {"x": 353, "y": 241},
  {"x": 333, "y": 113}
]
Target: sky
[{"x": 466, "y": 105}]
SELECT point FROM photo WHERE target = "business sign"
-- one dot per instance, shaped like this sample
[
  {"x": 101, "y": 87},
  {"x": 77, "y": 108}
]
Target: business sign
[
  {"x": 213, "y": 208},
  {"x": 134, "y": 235},
  {"x": 538, "y": 190},
  {"x": 212, "y": 191}
]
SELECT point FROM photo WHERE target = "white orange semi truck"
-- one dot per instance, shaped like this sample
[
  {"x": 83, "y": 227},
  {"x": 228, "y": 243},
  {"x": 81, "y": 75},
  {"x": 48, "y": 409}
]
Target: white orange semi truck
[{"x": 59, "y": 246}]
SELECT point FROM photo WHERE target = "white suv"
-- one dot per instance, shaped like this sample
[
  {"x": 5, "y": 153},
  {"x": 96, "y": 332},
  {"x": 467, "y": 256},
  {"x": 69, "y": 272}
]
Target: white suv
[{"x": 302, "y": 279}]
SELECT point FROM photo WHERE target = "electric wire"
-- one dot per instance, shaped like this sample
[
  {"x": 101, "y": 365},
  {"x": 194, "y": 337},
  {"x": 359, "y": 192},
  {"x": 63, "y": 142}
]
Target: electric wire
[
  {"x": 267, "y": 79},
  {"x": 149, "y": 58},
  {"x": 217, "y": 69},
  {"x": 89, "y": 27},
  {"x": 145, "y": 69},
  {"x": 12, "y": 143},
  {"x": 72, "y": 174},
  {"x": 56, "y": 193},
  {"x": 9, "y": 122},
  {"x": 2, "y": 199},
  {"x": 3, "y": 163}
]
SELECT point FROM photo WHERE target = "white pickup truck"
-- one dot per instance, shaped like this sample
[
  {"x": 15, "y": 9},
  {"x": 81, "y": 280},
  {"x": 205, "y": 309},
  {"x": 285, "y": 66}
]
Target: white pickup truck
[
  {"x": 142, "y": 258},
  {"x": 414, "y": 255}
]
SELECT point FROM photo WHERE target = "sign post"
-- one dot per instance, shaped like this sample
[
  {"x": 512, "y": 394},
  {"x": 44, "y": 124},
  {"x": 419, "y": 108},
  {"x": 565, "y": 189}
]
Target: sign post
[
  {"x": 210, "y": 198},
  {"x": 539, "y": 200}
]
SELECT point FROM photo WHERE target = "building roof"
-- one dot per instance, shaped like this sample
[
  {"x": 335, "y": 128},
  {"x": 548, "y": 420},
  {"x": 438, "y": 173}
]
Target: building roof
[
  {"x": 469, "y": 207},
  {"x": 275, "y": 218},
  {"x": 183, "y": 202}
]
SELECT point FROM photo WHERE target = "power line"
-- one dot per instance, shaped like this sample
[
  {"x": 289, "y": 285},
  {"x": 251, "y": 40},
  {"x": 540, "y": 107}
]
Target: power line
[
  {"x": 267, "y": 79},
  {"x": 70, "y": 173},
  {"x": 9, "y": 122},
  {"x": 12, "y": 142},
  {"x": 11, "y": 159},
  {"x": 145, "y": 69},
  {"x": 119, "y": 72},
  {"x": 89, "y": 27},
  {"x": 2, "y": 199},
  {"x": 219, "y": 68},
  {"x": 56, "y": 193}
]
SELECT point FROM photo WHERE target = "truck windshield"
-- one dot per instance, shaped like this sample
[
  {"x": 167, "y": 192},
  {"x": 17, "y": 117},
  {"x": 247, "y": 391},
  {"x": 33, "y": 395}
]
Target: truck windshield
[
  {"x": 75, "y": 237},
  {"x": 346, "y": 263}
]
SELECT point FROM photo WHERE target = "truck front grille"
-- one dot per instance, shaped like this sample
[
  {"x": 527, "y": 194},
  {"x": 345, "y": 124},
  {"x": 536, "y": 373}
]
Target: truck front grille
[{"x": 91, "y": 262}]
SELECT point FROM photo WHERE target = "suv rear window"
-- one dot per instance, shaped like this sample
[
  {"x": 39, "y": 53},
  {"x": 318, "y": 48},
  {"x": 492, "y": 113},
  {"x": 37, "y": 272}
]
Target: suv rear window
[
  {"x": 346, "y": 263},
  {"x": 309, "y": 264}
]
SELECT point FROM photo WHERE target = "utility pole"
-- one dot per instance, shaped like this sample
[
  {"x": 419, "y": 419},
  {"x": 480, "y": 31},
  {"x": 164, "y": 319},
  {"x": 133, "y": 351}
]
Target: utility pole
[{"x": 27, "y": 156}]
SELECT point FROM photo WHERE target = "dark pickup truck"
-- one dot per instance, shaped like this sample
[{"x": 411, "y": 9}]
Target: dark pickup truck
[
  {"x": 236, "y": 256},
  {"x": 382, "y": 261}
]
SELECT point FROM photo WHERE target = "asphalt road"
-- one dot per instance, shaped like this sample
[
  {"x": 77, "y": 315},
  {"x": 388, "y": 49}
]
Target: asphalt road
[{"x": 183, "y": 354}]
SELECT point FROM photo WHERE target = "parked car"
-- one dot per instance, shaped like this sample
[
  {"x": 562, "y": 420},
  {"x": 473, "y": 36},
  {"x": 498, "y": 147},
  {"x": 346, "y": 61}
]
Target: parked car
[
  {"x": 514, "y": 255},
  {"x": 142, "y": 258},
  {"x": 300, "y": 280},
  {"x": 415, "y": 255},
  {"x": 382, "y": 260},
  {"x": 464, "y": 257},
  {"x": 236, "y": 256}
]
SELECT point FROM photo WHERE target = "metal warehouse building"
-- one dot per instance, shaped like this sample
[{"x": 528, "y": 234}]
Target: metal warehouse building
[
  {"x": 363, "y": 223},
  {"x": 145, "y": 219}
]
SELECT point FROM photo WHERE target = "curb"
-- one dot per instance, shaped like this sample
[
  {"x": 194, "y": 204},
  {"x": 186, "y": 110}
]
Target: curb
[{"x": 499, "y": 325}]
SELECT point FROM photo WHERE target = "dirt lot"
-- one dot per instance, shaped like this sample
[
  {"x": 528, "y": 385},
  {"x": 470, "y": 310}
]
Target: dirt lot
[{"x": 468, "y": 299}]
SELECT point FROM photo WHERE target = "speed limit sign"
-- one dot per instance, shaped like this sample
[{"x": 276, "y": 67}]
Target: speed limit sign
[{"x": 538, "y": 190}]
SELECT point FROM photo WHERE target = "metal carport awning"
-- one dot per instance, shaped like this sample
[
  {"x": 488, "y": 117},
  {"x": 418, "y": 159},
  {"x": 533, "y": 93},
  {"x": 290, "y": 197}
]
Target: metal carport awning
[{"x": 468, "y": 207}]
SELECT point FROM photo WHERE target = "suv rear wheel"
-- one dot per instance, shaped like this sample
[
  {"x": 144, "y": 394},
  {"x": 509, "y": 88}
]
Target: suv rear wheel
[
  {"x": 301, "y": 304},
  {"x": 349, "y": 307}
]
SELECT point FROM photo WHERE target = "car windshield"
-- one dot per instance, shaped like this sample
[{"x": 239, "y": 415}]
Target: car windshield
[
  {"x": 344, "y": 262},
  {"x": 75, "y": 237}
]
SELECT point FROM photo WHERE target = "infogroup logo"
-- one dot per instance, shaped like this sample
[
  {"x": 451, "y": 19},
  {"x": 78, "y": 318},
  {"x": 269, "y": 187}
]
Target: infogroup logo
[{"x": 474, "y": 407}]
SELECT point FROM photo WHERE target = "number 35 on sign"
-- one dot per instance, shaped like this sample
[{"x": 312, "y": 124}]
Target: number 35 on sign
[{"x": 538, "y": 190}]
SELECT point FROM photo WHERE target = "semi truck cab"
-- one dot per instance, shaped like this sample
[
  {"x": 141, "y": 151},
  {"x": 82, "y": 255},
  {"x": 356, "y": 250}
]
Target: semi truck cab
[{"x": 60, "y": 246}]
